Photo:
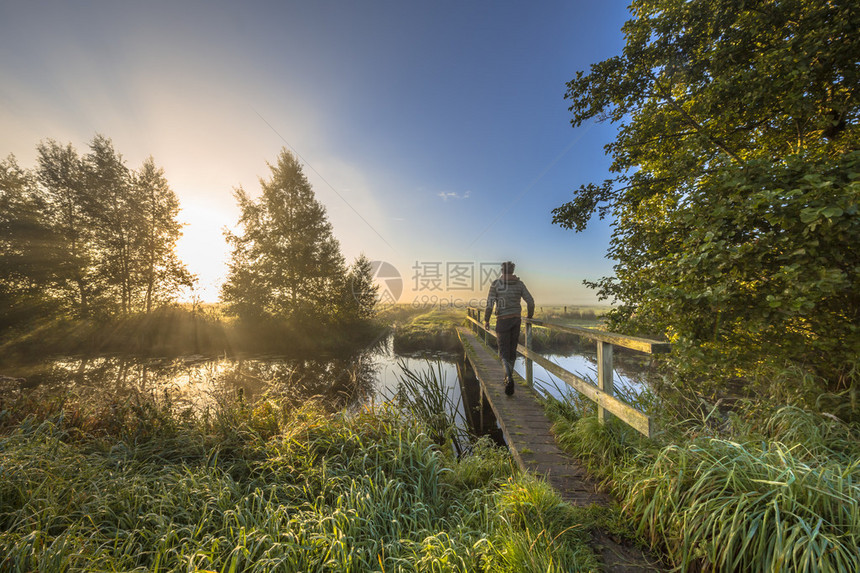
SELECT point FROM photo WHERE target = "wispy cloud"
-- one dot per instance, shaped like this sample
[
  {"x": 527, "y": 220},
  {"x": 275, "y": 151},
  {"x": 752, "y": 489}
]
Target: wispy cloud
[{"x": 452, "y": 195}]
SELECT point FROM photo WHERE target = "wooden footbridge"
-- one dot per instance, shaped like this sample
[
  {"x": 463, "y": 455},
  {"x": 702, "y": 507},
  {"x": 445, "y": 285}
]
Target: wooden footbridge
[
  {"x": 521, "y": 417},
  {"x": 526, "y": 429}
]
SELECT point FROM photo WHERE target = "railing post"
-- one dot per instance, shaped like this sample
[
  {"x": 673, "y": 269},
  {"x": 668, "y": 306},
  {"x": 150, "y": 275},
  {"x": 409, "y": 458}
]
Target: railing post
[
  {"x": 605, "y": 374},
  {"x": 484, "y": 336},
  {"x": 529, "y": 368}
]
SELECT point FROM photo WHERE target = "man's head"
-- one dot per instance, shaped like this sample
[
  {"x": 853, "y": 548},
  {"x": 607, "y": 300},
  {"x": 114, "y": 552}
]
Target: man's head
[{"x": 508, "y": 268}]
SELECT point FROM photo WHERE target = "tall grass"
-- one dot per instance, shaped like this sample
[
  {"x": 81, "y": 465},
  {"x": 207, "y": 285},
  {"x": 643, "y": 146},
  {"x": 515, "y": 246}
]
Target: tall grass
[
  {"x": 146, "y": 486},
  {"x": 749, "y": 507},
  {"x": 777, "y": 491}
]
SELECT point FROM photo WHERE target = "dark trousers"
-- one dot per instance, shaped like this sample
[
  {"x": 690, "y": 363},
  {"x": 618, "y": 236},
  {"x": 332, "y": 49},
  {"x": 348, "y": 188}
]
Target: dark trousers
[{"x": 508, "y": 332}]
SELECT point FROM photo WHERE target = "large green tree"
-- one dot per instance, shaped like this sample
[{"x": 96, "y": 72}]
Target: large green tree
[
  {"x": 115, "y": 208},
  {"x": 363, "y": 292},
  {"x": 735, "y": 190},
  {"x": 286, "y": 263}
]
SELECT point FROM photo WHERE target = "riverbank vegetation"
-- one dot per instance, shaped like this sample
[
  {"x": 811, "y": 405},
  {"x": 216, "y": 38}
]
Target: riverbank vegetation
[
  {"x": 85, "y": 236},
  {"x": 761, "y": 487},
  {"x": 428, "y": 330},
  {"x": 736, "y": 203},
  {"x": 142, "y": 485},
  {"x": 87, "y": 252},
  {"x": 182, "y": 330}
]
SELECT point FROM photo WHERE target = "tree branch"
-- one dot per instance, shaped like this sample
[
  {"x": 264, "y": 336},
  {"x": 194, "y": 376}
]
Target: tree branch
[{"x": 695, "y": 124}]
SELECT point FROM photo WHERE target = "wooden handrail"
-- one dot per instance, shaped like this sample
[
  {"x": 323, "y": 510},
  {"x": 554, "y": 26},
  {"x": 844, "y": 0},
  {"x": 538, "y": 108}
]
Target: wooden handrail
[
  {"x": 633, "y": 417},
  {"x": 602, "y": 394},
  {"x": 632, "y": 342}
]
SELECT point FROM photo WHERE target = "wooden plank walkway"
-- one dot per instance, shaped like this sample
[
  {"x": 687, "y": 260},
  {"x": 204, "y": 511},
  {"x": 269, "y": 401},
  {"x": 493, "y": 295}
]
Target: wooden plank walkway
[
  {"x": 526, "y": 427},
  {"x": 527, "y": 432}
]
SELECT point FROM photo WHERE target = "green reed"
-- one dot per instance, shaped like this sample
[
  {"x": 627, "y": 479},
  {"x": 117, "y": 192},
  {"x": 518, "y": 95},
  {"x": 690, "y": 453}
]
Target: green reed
[{"x": 427, "y": 397}]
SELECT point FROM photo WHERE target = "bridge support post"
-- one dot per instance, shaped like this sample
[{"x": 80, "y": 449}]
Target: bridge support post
[
  {"x": 529, "y": 364},
  {"x": 605, "y": 372}
]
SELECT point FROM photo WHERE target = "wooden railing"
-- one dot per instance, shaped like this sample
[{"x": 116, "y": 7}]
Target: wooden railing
[{"x": 603, "y": 392}]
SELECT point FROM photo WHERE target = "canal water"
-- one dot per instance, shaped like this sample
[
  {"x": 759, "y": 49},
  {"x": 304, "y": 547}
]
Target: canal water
[{"x": 367, "y": 378}]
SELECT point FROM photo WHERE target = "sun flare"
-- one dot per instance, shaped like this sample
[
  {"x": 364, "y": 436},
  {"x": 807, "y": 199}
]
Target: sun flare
[{"x": 203, "y": 248}]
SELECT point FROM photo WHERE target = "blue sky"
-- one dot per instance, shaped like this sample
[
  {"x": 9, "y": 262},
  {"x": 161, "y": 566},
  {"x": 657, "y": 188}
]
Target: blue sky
[{"x": 433, "y": 132}]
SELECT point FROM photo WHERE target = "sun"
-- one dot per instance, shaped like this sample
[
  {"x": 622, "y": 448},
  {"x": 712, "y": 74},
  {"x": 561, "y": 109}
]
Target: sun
[{"x": 203, "y": 248}]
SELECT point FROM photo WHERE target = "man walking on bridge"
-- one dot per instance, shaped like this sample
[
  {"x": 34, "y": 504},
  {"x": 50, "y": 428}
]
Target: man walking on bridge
[{"x": 505, "y": 293}]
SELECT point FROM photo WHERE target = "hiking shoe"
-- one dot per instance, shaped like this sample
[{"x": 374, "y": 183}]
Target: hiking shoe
[{"x": 509, "y": 386}]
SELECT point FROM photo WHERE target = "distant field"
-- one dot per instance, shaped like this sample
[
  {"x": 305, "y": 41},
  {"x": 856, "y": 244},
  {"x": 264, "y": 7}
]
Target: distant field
[{"x": 572, "y": 314}]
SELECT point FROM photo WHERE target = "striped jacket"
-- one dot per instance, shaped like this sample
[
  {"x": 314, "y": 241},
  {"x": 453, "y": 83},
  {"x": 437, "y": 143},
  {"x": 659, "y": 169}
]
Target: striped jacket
[{"x": 505, "y": 294}]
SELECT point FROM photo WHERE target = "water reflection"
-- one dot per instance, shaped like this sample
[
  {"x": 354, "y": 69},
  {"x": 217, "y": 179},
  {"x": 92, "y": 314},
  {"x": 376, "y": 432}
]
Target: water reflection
[
  {"x": 195, "y": 381},
  {"x": 198, "y": 382},
  {"x": 389, "y": 368}
]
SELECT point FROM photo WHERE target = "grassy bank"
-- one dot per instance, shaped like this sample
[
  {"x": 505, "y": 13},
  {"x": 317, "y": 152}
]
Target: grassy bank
[
  {"x": 429, "y": 331},
  {"x": 762, "y": 488},
  {"x": 142, "y": 486}
]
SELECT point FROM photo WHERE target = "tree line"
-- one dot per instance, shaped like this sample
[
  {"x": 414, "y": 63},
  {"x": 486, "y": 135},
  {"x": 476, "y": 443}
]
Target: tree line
[{"x": 85, "y": 236}]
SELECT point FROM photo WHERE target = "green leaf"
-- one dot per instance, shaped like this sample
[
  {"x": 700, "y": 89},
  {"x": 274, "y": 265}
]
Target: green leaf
[{"x": 808, "y": 215}]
